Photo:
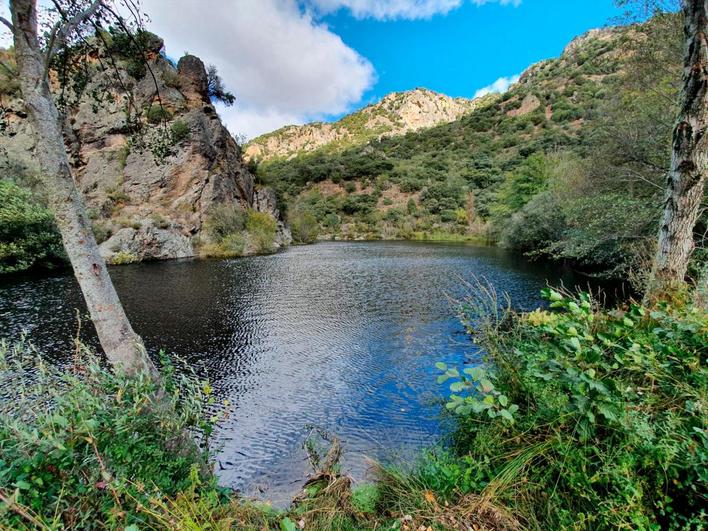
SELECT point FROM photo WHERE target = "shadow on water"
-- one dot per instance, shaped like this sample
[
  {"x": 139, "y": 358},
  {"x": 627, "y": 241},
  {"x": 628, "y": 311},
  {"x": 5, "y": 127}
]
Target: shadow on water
[{"x": 339, "y": 335}]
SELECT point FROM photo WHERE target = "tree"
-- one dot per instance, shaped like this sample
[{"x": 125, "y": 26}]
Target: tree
[
  {"x": 215, "y": 88},
  {"x": 122, "y": 346},
  {"x": 685, "y": 181},
  {"x": 689, "y": 160}
]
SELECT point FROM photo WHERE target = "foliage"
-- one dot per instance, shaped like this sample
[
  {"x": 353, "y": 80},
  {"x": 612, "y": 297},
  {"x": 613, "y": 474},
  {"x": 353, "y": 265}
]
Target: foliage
[
  {"x": 28, "y": 237},
  {"x": 223, "y": 220},
  {"x": 83, "y": 448},
  {"x": 232, "y": 232},
  {"x": 157, "y": 114},
  {"x": 215, "y": 88},
  {"x": 261, "y": 228},
  {"x": 123, "y": 258},
  {"x": 303, "y": 224},
  {"x": 180, "y": 130},
  {"x": 587, "y": 418}
]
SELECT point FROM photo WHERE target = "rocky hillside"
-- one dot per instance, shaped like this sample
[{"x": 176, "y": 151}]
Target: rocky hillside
[
  {"x": 446, "y": 180},
  {"x": 143, "y": 206},
  {"x": 397, "y": 113}
]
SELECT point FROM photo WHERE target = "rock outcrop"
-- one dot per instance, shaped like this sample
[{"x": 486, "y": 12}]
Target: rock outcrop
[
  {"x": 396, "y": 114},
  {"x": 147, "y": 206}
]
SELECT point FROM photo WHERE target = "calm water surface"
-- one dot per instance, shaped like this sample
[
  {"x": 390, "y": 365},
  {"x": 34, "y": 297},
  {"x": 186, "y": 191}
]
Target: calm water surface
[{"x": 339, "y": 335}]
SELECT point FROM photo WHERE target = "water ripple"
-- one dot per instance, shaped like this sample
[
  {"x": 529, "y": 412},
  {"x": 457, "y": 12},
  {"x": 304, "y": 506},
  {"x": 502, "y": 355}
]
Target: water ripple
[{"x": 339, "y": 335}]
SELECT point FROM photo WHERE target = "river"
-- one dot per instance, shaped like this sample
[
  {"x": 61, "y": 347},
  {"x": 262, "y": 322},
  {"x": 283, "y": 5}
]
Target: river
[{"x": 343, "y": 336}]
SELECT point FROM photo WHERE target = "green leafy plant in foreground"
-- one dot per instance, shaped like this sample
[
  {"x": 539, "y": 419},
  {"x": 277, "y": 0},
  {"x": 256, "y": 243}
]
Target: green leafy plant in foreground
[
  {"x": 84, "y": 448},
  {"x": 609, "y": 428}
]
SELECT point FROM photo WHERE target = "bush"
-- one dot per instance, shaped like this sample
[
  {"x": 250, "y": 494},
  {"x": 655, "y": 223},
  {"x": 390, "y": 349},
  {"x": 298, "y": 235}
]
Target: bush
[
  {"x": 231, "y": 246},
  {"x": 224, "y": 220},
  {"x": 156, "y": 114},
  {"x": 28, "y": 237},
  {"x": 303, "y": 225},
  {"x": 82, "y": 448},
  {"x": 587, "y": 418},
  {"x": 180, "y": 130},
  {"x": 261, "y": 228}
]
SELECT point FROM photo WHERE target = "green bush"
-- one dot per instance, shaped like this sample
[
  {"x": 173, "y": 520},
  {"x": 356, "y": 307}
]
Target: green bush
[
  {"x": 156, "y": 114},
  {"x": 28, "y": 237},
  {"x": 82, "y": 448},
  {"x": 587, "y": 418},
  {"x": 180, "y": 130},
  {"x": 230, "y": 246},
  {"x": 261, "y": 228},
  {"x": 303, "y": 224},
  {"x": 224, "y": 220}
]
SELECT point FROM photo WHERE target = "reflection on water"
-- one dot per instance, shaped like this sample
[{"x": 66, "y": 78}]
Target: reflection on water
[{"x": 339, "y": 335}]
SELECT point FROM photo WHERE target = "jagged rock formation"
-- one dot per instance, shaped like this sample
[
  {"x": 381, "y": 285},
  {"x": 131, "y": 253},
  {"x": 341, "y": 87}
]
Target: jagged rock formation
[
  {"x": 396, "y": 114},
  {"x": 142, "y": 206}
]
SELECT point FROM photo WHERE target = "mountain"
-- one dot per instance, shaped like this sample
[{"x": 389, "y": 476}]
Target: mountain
[
  {"x": 397, "y": 113},
  {"x": 442, "y": 179},
  {"x": 144, "y": 205}
]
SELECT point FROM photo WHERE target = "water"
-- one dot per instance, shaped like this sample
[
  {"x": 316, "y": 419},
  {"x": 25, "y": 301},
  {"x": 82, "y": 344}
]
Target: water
[{"x": 344, "y": 336}]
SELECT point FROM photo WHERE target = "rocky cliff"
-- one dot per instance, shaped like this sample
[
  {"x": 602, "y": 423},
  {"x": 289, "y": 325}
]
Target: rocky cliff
[
  {"x": 397, "y": 113},
  {"x": 143, "y": 206}
]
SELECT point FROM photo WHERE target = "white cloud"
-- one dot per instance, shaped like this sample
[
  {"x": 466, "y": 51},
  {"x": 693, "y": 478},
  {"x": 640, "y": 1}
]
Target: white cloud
[
  {"x": 500, "y": 86},
  {"x": 282, "y": 64},
  {"x": 397, "y": 9}
]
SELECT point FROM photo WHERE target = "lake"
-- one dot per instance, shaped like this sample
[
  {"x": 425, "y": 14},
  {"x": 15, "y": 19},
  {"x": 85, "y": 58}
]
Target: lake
[{"x": 339, "y": 335}]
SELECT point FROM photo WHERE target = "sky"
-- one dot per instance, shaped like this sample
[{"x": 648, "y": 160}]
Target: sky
[{"x": 297, "y": 61}]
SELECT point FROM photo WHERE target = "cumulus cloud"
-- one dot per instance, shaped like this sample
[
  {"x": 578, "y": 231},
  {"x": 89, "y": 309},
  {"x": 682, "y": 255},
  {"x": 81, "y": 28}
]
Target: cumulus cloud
[
  {"x": 500, "y": 86},
  {"x": 397, "y": 9},
  {"x": 282, "y": 64}
]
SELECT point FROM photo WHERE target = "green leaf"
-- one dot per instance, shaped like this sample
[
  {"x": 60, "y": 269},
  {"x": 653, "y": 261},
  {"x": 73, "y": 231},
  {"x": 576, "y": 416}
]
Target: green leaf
[
  {"x": 476, "y": 373},
  {"x": 487, "y": 386},
  {"x": 503, "y": 400},
  {"x": 456, "y": 387},
  {"x": 440, "y": 365},
  {"x": 286, "y": 524},
  {"x": 574, "y": 343},
  {"x": 505, "y": 413},
  {"x": 554, "y": 296},
  {"x": 22, "y": 485}
]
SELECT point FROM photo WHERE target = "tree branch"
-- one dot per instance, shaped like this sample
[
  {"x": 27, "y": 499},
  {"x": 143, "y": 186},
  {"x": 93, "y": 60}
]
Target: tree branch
[
  {"x": 7, "y": 23},
  {"x": 61, "y": 32}
]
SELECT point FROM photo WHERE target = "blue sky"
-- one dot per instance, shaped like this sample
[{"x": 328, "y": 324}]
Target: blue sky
[
  {"x": 469, "y": 47},
  {"x": 296, "y": 61}
]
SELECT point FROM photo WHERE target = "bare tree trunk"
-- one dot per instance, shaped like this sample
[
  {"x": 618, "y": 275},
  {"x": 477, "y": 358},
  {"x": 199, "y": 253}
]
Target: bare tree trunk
[
  {"x": 689, "y": 159},
  {"x": 123, "y": 347}
]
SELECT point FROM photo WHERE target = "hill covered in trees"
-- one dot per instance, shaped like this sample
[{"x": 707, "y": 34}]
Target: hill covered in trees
[{"x": 568, "y": 164}]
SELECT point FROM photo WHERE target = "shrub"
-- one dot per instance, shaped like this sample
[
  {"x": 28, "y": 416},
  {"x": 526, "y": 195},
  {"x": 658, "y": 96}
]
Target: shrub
[
  {"x": 82, "y": 448},
  {"x": 180, "y": 130},
  {"x": 261, "y": 228},
  {"x": 156, "y": 114},
  {"x": 123, "y": 257},
  {"x": 587, "y": 417},
  {"x": 223, "y": 220},
  {"x": 303, "y": 225},
  {"x": 230, "y": 246},
  {"x": 28, "y": 237}
]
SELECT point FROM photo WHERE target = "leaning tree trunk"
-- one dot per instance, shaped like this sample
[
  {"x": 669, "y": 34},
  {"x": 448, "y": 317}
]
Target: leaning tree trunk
[
  {"x": 689, "y": 159},
  {"x": 123, "y": 347}
]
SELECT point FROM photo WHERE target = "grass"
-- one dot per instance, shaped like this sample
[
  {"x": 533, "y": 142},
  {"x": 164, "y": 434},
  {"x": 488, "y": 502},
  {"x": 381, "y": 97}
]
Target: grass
[{"x": 582, "y": 418}]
